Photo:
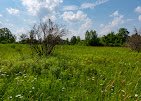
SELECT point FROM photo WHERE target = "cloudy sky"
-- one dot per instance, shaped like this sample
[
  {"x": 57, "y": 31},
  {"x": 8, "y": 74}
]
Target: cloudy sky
[{"x": 77, "y": 15}]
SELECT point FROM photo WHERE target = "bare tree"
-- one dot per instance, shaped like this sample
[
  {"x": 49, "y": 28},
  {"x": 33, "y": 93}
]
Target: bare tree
[
  {"x": 134, "y": 41},
  {"x": 45, "y": 36}
]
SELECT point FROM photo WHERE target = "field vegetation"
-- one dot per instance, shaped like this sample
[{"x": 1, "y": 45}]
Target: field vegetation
[{"x": 72, "y": 72}]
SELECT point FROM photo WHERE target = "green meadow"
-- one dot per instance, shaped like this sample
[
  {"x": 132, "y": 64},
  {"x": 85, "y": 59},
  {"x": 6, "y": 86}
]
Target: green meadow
[{"x": 70, "y": 73}]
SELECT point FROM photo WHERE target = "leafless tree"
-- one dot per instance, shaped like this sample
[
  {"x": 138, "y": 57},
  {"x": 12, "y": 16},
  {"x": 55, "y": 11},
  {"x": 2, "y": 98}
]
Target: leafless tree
[
  {"x": 134, "y": 41},
  {"x": 45, "y": 36}
]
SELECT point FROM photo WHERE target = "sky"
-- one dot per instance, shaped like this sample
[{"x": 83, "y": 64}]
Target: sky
[{"x": 77, "y": 16}]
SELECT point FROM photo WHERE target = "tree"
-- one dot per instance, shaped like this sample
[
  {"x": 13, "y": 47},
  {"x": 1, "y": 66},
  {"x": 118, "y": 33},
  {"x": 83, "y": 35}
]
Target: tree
[
  {"x": 6, "y": 36},
  {"x": 73, "y": 40},
  {"x": 122, "y": 35},
  {"x": 134, "y": 41},
  {"x": 45, "y": 36},
  {"x": 91, "y": 38},
  {"x": 78, "y": 39},
  {"x": 24, "y": 39}
]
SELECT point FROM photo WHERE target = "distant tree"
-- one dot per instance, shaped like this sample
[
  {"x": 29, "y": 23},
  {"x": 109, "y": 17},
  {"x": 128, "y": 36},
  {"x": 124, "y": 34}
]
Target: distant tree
[
  {"x": 122, "y": 36},
  {"x": 91, "y": 38},
  {"x": 45, "y": 36},
  {"x": 67, "y": 41},
  {"x": 134, "y": 41},
  {"x": 73, "y": 40},
  {"x": 6, "y": 36},
  {"x": 78, "y": 39},
  {"x": 24, "y": 39}
]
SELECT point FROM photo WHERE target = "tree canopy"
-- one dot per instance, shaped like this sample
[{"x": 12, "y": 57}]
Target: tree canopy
[{"x": 6, "y": 36}]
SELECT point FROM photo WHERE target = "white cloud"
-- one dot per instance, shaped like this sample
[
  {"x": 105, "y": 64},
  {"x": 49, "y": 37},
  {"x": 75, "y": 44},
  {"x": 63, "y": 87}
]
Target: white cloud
[
  {"x": 74, "y": 17},
  {"x": 93, "y": 5},
  {"x": 38, "y": 7},
  {"x": 21, "y": 31},
  {"x": 85, "y": 26},
  {"x": 138, "y": 9},
  {"x": 12, "y": 11},
  {"x": 78, "y": 22},
  {"x": 139, "y": 17},
  {"x": 46, "y": 18},
  {"x": 70, "y": 8},
  {"x": 117, "y": 20},
  {"x": 87, "y": 5},
  {"x": 116, "y": 13}
]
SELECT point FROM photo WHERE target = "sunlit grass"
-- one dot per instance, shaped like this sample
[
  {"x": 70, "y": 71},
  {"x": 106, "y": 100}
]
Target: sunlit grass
[{"x": 75, "y": 73}]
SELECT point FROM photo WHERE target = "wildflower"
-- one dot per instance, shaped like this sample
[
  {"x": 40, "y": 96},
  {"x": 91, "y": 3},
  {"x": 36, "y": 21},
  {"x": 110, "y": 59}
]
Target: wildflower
[
  {"x": 3, "y": 74},
  {"x": 123, "y": 91},
  {"x": 19, "y": 95},
  {"x": 92, "y": 78},
  {"x": 10, "y": 97},
  {"x": 33, "y": 87},
  {"x": 63, "y": 88},
  {"x": 136, "y": 95}
]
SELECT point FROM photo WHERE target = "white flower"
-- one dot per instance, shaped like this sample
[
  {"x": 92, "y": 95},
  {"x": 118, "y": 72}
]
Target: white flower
[
  {"x": 10, "y": 97},
  {"x": 33, "y": 87},
  {"x": 19, "y": 95},
  {"x": 136, "y": 95}
]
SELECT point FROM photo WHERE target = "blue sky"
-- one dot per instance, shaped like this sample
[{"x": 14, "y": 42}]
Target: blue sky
[{"x": 77, "y": 15}]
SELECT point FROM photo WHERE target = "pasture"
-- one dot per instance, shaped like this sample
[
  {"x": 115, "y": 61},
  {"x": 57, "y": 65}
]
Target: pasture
[{"x": 71, "y": 73}]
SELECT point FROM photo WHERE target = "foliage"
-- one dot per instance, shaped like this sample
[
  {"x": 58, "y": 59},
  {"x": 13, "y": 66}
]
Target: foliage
[
  {"x": 117, "y": 39},
  {"x": 24, "y": 39},
  {"x": 134, "y": 41},
  {"x": 6, "y": 36},
  {"x": 122, "y": 35},
  {"x": 75, "y": 73},
  {"x": 73, "y": 40},
  {"x": 91, "y": 38}
]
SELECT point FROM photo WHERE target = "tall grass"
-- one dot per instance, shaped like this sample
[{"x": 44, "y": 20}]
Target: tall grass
[{"x": 75, "y": 73}]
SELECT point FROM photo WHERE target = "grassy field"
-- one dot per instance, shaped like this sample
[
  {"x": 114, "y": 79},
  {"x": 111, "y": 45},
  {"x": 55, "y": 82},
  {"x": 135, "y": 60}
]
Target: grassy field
[{"x": 72, "y": 73}]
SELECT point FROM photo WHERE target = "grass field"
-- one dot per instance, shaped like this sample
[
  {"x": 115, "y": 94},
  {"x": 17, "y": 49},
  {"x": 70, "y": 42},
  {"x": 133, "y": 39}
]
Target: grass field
[{"x": 71, "y": 73}]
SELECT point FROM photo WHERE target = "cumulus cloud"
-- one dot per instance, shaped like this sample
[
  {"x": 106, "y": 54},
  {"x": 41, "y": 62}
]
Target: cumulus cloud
[
  {"x": 78, "y": 19},
  {"x": 117, "y": 20},
  {"x": 74, "y": 17},
  {"x": 70, "y": 8},
  {"x": 13, "y": 11},
  {"x": 138, "y": 9},
  {"x": 85, "y": 26},
  {"x": 39, "y": 7},
  {"x": 93, "y": 5}
]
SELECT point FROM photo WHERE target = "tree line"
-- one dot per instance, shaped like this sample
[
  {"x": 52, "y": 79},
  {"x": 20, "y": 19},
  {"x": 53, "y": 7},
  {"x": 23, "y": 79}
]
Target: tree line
[
  {"x": 111, "y": 39},
  {"x": 51, "y": 35}
]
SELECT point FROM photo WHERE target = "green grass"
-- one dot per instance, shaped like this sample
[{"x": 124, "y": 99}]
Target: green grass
[{"x": 71, "y": 73}]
